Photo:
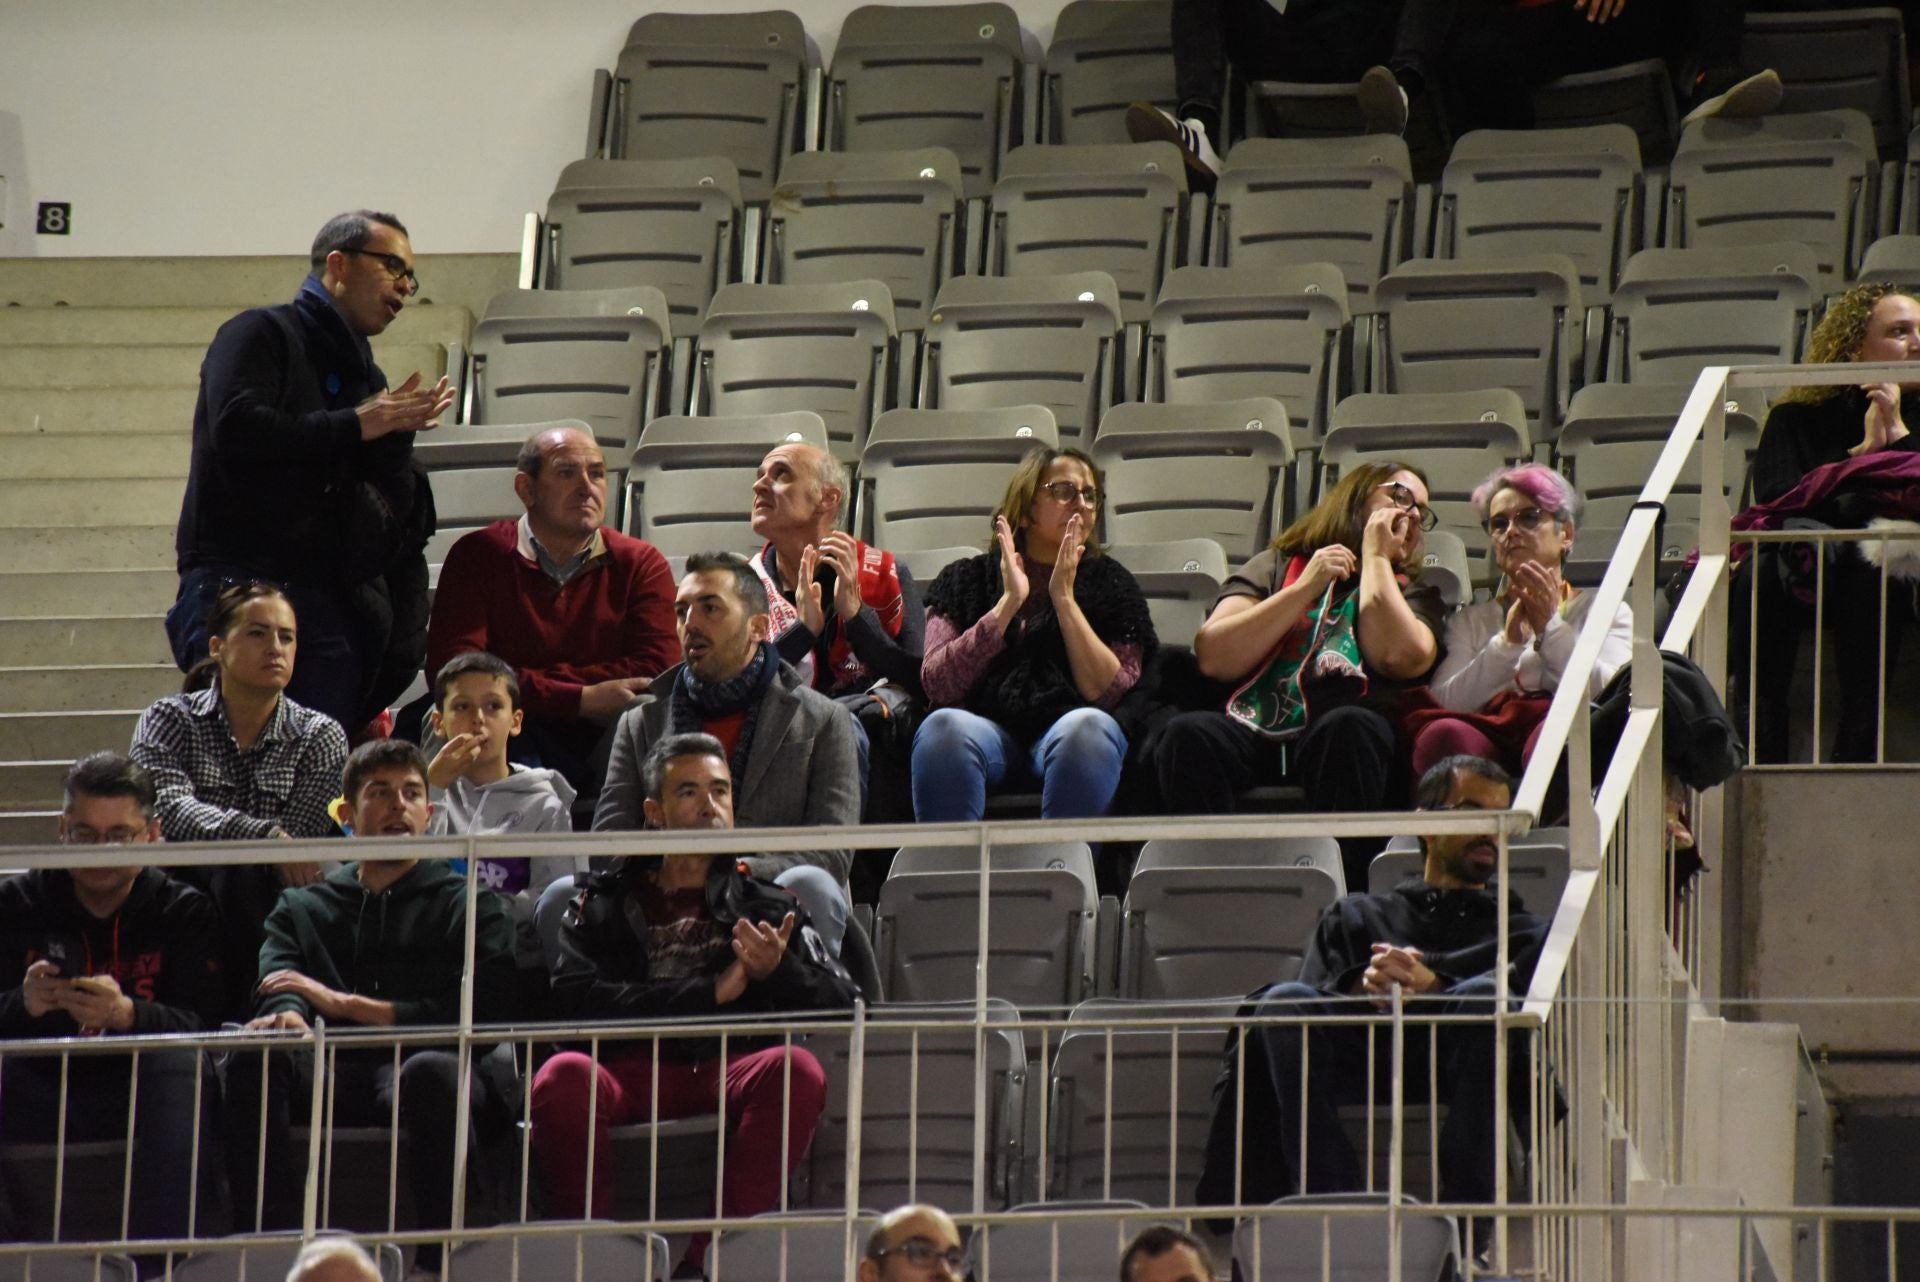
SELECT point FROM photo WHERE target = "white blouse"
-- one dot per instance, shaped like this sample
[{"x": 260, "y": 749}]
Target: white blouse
[{"x": 1481, "y": 662}]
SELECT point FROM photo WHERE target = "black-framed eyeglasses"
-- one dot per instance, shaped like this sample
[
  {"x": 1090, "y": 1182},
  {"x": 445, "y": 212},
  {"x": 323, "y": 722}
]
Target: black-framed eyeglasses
[
  {"x": 1527, "y": 518},
  {"x": 1403, "y": 498},
  {"x": 396, "y": 267},
  {"x": 921, "y": 1253},
  {"x": 1067, "y": 492}
]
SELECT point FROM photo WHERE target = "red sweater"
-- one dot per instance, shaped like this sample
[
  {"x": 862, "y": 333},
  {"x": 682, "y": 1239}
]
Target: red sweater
[{"x": 612, "y": 619}]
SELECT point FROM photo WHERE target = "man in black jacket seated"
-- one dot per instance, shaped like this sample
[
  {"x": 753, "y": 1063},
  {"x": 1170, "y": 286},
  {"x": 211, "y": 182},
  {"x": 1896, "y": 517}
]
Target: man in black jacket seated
[
  {"x": 303, "y": 475},
  {"x": 685, "y": 936},
  {"x": 379, "y": 943},
  {"x": 1437, "y": 938},
  {"x": 98, "y": 951}
]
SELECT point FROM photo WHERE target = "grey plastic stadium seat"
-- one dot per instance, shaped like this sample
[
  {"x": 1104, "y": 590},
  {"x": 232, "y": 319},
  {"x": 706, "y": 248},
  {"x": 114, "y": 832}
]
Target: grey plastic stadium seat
[
  {"x": 602, "y": 1257},
  {"x": 1537, "y": 863},
  {"x": 1288, "y": 1248},
  {"x": 917, "y": 1137},
  {"x": 1586, "y": 565},
  {"x": 595, "y": 354},
  {"x": 473, "y": 469},
  {"x": 1204, "y": 471},
  {"x": 939, "y": 75},
  {"x": 1118, "y": 208},
  {"x": 1027, "y": 856},
  {"x": 1835, "y": 59},
  {"x": 825, "y": 348},
  {"x": 1217, "y": 932},
  {"x": 1678, "y": 311},
  {"x": 1221, "y": 334},
  {"x": 766, "y": 1248},
  {"x": 1615, "y": 433},
  {"x": 1811, "y": 178},
  {"x": 1115, "y": 1143},
  {"x": 925, "y": 564},
  {"x": 666, "y": 223},
  {"x": 1455, "y": 327},
  {"x": 1456, "y": 438},
  {"x": 1057, "y": 1248},
  {"x": 1030, "y": 340},
  {"x": 1565, "y": 191},
  {"x": 1246, "y": 852},
  {"x": 1041, "y": 950},
  {"x": 265, "y": 1261},
  {"x": 932, "y": 478},
  {"x": 711, "y": 84},
  {"x": 1895, "y": 259},
  {"x": 1445, "y": 564},
  {"x": 889, "y": 216},
  {"x": 690, "y": 487},
  {"x": 1106, "y": 55},
  {"x": 1180, "y": 580},
  {"x": 1345, "y": 201},
  {"x": 1638, "y": 95}
]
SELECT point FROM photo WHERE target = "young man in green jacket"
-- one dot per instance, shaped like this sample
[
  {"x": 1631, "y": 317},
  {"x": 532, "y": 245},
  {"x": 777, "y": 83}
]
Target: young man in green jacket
[{"x": 378, "y": 943}]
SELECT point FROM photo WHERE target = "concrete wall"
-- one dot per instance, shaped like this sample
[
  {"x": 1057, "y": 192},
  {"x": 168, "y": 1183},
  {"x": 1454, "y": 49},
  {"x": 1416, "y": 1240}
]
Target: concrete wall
[{"x": 232, "y": 127}]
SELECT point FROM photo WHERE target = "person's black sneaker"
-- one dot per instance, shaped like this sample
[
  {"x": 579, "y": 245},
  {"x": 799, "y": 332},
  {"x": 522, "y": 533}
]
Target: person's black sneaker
[
  {"x": 1148, "y": 123},
  {"x": 1744, "y": 99},
  {"x": 1383, "y": 102}
]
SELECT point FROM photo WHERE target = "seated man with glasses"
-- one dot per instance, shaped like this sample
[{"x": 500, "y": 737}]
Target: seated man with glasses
[
  {"x": 1434, "y": 937},
  {"x": 911, "y": 1242},
  {"x": 303, "y": 475},
  {"x": 97, "y": 950}
]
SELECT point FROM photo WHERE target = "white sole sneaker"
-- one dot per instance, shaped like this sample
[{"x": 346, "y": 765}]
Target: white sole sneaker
[
  {"x": 1148, "y": 123},
  {"x": 1383, "y": 103},
  {"x": 1755, "y": 96}
]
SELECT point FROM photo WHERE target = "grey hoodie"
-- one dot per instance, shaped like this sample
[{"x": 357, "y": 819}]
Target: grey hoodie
[{"x": 528, "y": 801}]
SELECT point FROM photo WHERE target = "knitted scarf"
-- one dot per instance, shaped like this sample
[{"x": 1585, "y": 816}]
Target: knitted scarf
[
  {"x": 1029, "y": 685},
  {"x": 694, "y": 702}
]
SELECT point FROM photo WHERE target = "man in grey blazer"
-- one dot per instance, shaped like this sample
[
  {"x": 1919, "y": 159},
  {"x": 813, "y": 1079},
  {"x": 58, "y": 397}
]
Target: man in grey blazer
[{"x": 791, "y": 748}]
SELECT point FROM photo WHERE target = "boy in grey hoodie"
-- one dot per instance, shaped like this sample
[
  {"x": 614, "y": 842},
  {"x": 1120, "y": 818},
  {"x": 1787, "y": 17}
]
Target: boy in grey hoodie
[{"x": 475, "y": 789}]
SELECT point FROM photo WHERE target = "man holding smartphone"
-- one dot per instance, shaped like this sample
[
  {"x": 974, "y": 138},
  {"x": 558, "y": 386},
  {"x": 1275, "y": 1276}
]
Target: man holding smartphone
[{"x": 95, "y": 951}]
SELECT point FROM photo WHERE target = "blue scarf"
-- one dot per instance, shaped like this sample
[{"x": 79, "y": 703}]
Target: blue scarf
[{"x": 694, "y": 702}]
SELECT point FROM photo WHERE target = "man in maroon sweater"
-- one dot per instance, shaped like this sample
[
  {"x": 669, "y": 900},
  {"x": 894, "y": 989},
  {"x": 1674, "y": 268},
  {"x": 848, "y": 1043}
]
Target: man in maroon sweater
[{"x": 583, "y": 614}]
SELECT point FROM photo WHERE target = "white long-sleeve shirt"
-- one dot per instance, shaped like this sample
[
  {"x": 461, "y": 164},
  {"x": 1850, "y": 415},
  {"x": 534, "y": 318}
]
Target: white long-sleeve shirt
[{"x": 1481, "y": 662}]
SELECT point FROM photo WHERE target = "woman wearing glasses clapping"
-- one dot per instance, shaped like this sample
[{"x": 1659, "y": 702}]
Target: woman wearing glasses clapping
[
  {"x": 1318, "y": 636},
  {"x": 1505, "y": 656},
  {"x": 1029, "y": 647}
]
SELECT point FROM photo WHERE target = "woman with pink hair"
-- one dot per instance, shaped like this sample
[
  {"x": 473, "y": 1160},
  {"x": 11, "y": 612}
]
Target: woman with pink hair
[{"x": 1505, "y": 656}]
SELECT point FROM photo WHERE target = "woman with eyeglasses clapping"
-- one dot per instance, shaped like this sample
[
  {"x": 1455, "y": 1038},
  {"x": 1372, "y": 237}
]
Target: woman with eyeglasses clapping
[
  {"x": 1505, "y": 656},
  {"x": 1029, "y": 647},
  {"x": 1318, "y": 636}
]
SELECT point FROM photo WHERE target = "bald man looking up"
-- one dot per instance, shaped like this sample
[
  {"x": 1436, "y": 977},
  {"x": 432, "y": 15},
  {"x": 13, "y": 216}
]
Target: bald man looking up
[{"x": 583, "y": 613}]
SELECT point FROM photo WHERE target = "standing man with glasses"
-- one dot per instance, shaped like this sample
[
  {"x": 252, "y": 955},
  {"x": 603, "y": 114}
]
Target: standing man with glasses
[
  {"x": 303, "y": 475},
  {"x": 98, "y": 951}
]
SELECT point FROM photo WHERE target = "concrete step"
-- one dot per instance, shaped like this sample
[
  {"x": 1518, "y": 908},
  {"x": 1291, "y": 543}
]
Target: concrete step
[
  {"x": 114, "y": 501},
  {"x": 94, "y": 365},
  {"x": 61, "y": 456},
  {"x": 463, "y": 280},
  {"x": 32, "y": 785},
  {"x": 39, "y": 643},
  {"x": 86, "y": 688},
  {"x": 118, "y": 411},
  {"x": 91, "y": 547},
  {"x": 146, "y": 326},
  {"x": 30, "y": 828},
  {"x": 64, "y": 736},
  {"x": 51, "y": 595}
]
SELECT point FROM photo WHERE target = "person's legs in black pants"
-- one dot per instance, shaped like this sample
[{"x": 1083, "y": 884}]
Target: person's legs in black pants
[
  {"x": 1854, "y": 631},
  {"x": 1203, "y": 761},
  {"x": 1349, "y": 760},
  {"x": 1499, "y": 55},
  {"x": 264, "y": 1200},
  {"x": 429, "y": 1096}
]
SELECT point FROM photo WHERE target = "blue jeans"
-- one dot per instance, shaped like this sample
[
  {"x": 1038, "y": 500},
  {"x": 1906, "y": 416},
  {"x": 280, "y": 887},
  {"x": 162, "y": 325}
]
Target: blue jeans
[{"x": 958, "y": 756}]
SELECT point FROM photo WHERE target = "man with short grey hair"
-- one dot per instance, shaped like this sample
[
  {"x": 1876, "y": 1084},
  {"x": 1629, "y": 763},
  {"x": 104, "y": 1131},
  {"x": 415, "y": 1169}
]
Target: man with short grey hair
[
  {"x": 847, "y": 616},
  {"x": 333, "y": 1259},
  {"x": 302, "y": 474}
]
